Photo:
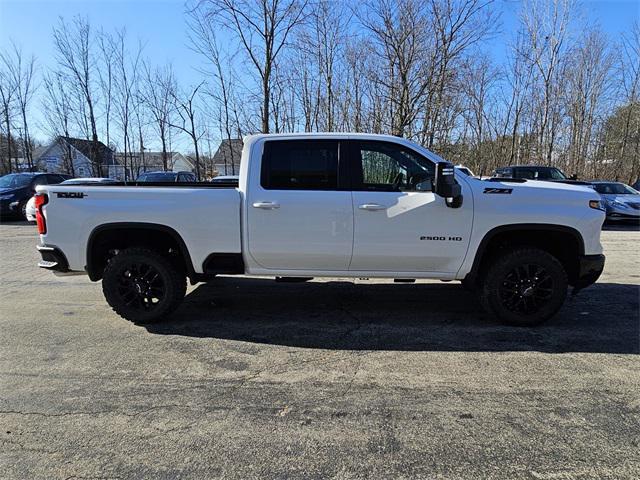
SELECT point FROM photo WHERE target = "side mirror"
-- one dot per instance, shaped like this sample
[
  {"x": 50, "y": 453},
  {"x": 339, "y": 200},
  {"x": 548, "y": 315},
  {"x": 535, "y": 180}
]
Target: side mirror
[
  {"x": 445, "y": 185},
  {"x": 574, "y": 177}
]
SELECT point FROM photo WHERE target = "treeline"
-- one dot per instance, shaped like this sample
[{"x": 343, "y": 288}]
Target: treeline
[{"x": 566, "y": 94}]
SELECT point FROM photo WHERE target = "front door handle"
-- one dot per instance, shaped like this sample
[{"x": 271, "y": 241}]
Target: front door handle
[
  {"x": 372, "y": 207},
  {"x": 266, "y": 205}
]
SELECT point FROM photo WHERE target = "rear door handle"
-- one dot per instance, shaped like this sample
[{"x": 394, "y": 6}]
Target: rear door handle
[
  {"x": 372, "y": 207},
  {"x": 266, "y": 205}
]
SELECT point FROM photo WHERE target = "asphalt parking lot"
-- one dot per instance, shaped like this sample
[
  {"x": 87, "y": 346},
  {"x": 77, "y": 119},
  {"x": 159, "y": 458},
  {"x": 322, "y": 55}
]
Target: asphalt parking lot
[{"x": 331, "y": 379}]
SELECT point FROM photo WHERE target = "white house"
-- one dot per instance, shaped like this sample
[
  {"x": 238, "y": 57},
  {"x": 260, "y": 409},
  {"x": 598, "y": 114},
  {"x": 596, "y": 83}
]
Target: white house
[{"x": 73, "y": 156}]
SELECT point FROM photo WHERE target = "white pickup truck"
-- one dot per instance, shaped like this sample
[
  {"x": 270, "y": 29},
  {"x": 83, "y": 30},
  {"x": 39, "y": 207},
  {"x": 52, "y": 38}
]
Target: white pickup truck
[{"x": 329, "y": 205}]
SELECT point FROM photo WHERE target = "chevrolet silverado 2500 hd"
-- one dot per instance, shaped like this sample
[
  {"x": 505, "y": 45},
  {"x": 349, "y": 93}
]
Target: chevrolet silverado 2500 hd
[{"x": 332, "y": 205}]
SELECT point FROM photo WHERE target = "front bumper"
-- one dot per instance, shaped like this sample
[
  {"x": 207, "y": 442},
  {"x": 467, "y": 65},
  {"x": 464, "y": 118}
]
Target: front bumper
[
  {"x": 589, "y": 270},
  {"x": 7, "y": 207},
  {"x": 614, "y": 215}
]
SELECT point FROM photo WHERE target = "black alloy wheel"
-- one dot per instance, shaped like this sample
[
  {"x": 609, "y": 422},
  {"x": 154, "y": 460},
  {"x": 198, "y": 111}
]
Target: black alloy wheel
[
  {"x": 142, "y": 285},
  {"x": 524, "y": 286}
]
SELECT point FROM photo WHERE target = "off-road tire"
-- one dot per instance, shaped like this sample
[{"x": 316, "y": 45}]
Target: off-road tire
[
  {"x": 128, "y": 289},
  {"x": 524, "y": 287}
]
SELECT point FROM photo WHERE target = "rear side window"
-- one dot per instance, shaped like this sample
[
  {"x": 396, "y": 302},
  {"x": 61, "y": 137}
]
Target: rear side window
[
  {"x": 53, "y": 179},
  {"x": 300, "y": 165},
  {"x": 40, "y": 180}
]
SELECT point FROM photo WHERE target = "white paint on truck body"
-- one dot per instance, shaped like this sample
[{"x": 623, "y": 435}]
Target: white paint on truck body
[{"x": 324, "y": 233}]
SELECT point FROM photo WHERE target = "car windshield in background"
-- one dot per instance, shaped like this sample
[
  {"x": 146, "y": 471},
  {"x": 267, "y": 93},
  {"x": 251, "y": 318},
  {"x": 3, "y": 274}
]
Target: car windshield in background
[
  {"x": 614, "y": 189},
  {"x": 157, "y": 177},
  {"x": 541, "y": 173},
  {"x": 14, "y": 181}
]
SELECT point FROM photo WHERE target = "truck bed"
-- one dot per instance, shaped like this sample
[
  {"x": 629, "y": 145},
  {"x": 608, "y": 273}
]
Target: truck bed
[{"x": 206, "y": 216}]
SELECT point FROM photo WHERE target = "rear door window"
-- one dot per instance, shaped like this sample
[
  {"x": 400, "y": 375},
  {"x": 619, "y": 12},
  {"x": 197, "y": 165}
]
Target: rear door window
[{"x": 300, "y": 165}]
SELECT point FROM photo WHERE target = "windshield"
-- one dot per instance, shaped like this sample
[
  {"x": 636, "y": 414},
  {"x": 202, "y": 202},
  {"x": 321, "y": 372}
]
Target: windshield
[
  {"x": 541, "y": 173},
  {"x": 614, "y": 189},
  {"x": 14, "y": 181},
  {"x": 157, "y": 177}
]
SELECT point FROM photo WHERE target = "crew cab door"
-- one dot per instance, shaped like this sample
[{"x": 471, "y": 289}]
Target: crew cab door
[
  {"x": 299, "y": 217},
  {"x": 400, "y": 225}
]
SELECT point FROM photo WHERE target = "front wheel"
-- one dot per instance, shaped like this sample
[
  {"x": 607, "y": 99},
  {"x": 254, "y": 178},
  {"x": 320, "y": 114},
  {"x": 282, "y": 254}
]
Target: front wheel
[
  {"x": 23, "y": 210},
  {"x": 524, "y": 287},
  {"x": 142, "y": 286}
]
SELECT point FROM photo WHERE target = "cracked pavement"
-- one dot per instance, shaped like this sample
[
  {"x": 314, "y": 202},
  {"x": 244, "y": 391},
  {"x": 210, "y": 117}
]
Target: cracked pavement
[{"x": 335, "y": 378}]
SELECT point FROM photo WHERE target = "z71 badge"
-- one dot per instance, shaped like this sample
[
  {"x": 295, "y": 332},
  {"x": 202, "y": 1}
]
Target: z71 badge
[
  {"x": 71, "y": 194},
  {"x": 506, "y": 191}
]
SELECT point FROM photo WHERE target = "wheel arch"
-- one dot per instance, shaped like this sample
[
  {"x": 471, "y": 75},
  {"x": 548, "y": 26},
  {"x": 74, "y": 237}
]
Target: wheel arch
[
  {"x": 564, "y": 242},
  {"x": 118, "y": 235}
]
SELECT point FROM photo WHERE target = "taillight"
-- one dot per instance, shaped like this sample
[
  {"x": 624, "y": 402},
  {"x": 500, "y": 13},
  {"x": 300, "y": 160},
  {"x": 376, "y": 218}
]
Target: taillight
[{"x": 41, "y": 201}]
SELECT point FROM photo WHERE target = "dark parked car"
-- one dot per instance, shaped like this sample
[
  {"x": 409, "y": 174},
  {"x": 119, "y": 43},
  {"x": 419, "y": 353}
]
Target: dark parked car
[
  {"x": 17, "y": 188},
  {"x": 166, "y": 177},
  {"x": 532, "y": 172},
  {"x": 620, "y": 201},
  {"x": 228, "y": 180}
]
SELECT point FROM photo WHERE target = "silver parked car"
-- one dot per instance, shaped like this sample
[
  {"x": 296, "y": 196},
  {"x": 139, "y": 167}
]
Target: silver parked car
[{"x": 621, "y": 201}]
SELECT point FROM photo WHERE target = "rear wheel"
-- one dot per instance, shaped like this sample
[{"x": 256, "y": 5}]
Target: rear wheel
[
  {"x": 142, "y": 286},
  {"x": 524, "y": 287}
]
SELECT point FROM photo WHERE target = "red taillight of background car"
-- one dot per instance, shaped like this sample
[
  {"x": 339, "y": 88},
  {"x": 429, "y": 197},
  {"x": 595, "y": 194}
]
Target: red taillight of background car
[{"x": 41, "y": 201}]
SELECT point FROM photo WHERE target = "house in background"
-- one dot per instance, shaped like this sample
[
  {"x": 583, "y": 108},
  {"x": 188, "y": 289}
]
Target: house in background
[
  {"x": 65, "y": 152},
  {"x": 226, "y": 160}
]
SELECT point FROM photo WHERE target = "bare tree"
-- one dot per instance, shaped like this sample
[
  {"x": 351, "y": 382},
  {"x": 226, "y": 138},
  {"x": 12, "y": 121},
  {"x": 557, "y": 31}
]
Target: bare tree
[
  {"x": 458, "y": 25},
  {"x": 547, "y": 28},
  {"x": 629, "y": 80},
  {"x": 107, "y": 80},
  {"x": 20, "y": 72},
  {"x": 7, "y": 95},
  {"x": 158, "y": 92},
  {"x": 186, "y": 110},
  {"x": 57, "y": 110},
  {"x": 262, "y": 27},
  {"x": 73, "y": 43},
  {"x": 321, "y": 52},
  {"x": 587, "y": 83},
  {"x": 204, "y": 40},
  {"x": 127, "y": 69}
]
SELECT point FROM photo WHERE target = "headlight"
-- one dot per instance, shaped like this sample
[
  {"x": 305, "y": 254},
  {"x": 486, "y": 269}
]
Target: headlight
[
  {"x": 6, "y": 197},
  {"x": 597, "y": 204},
  {"x": 616, "y": 204}
]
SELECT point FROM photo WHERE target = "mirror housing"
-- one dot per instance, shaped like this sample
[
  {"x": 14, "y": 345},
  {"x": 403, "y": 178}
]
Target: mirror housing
[{"x": 445, "y": 185}]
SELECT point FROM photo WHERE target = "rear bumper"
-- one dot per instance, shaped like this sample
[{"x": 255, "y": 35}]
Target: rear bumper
[
  {"x": 589, "y": 270},
  {"x": 52, "y": 259}
]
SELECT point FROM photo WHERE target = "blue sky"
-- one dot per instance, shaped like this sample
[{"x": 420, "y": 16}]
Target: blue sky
[{"x": 161, "y": 25}]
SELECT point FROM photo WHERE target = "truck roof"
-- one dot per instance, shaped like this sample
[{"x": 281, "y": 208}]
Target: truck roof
[{"x": 345, "y": 135}]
